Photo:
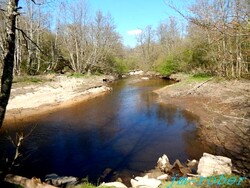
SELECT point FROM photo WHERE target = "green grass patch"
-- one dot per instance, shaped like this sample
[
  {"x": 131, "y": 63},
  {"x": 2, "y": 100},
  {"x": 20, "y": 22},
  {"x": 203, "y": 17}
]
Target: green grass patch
[
  {"x": 28, "y": 79},
  {"x": 77, "y": 75},
  {"x": 89, "y": 185},
  {"x": 201, "y": 76}
]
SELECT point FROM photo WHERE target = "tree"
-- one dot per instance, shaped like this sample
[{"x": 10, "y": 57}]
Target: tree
[
  {"x": 87, "y": 43},
  {"x": 146, "y": 42},
  {"x": 225, "y": 27},
  {"x": 9, "y": 50}
]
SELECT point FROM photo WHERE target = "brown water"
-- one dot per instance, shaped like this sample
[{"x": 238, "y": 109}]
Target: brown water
[{"x": 126, "y": 130}]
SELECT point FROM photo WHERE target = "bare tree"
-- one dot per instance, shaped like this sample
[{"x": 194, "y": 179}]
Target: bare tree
[
  {"x": 87, "y": 42},
  {"x": 9, "y": 50},
  {"x": 168, "y": 35},
  {"x": 146, "y": 42}
]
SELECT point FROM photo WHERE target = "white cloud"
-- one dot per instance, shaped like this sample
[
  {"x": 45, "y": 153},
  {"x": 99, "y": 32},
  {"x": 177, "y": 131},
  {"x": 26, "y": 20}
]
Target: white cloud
[{"x": 134, "y": 32}]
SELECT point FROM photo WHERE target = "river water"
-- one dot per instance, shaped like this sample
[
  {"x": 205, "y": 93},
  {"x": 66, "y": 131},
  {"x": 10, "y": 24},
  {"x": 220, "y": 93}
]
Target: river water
[{"x": 125, "y": 130}]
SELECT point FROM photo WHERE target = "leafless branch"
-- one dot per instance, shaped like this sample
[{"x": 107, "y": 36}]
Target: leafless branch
[
  {"x": 36, "y": 2},
  {"x": 25, "y": 36}
]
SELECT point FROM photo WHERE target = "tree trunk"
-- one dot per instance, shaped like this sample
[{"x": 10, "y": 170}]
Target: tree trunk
[{"x": 9, "y": 50}]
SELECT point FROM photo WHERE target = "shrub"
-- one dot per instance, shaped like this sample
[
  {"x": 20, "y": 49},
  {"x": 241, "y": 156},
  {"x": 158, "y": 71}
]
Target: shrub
[{"x": 168, "y": 66}]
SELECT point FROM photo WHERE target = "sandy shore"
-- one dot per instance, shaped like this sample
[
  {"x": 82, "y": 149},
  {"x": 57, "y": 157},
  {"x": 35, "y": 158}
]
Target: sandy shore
[
  {"x": 61, "y": 92},
  {"x": 223, "y": 108}
]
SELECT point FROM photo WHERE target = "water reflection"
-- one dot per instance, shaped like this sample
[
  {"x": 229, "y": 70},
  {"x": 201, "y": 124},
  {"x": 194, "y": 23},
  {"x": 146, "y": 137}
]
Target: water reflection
[{"x": 126, "y": 130}]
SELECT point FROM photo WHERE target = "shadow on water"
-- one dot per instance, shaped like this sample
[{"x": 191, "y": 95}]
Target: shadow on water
[{"x": 126, "y": 130}]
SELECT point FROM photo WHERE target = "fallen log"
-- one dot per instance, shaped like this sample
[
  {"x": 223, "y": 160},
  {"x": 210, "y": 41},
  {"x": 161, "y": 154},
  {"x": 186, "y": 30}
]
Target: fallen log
[{"x": 197, "y": 87}]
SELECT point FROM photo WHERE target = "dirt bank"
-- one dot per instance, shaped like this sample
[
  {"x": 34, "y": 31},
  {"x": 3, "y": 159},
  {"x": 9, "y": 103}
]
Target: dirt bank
[
  {"x": 224, "y": 110},
  {"x": 28, "y": 100}
]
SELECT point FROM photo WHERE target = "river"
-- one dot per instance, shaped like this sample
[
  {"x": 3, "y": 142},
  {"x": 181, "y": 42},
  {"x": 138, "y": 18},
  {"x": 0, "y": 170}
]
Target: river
[{"x": 126, "y": 130}]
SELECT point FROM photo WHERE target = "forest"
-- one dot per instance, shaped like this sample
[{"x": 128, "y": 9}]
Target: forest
[{"x": 71, "y": 38}]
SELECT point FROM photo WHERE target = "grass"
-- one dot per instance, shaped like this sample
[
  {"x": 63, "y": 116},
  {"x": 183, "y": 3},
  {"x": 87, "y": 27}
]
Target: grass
[
  {"x": 191, "y": 80},
  {"x": 77, "y": 75},
  {"x": 200, "y": 77},
  {"x": 28, "y": 79},
  {"x": 89, "y": 185}
]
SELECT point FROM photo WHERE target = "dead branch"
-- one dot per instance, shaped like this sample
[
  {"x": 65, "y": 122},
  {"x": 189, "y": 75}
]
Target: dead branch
[
  {"x": 25, "y": 36},
  {"x": 197, "y": 87},
  {"x": 36, "y": 2}
]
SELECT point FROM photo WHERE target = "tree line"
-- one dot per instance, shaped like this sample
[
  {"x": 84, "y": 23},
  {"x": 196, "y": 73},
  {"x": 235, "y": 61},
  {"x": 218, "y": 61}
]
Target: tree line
[
  {"x": 74, "y": 39},
  {"x": 215, "y": 40}
]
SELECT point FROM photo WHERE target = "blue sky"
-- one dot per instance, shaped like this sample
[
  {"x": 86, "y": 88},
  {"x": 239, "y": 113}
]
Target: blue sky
[{"x": 130, "y": 15}]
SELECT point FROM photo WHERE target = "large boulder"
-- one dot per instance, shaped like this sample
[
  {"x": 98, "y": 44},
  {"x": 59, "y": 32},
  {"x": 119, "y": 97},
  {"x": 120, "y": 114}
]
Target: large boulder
[
  {"x": 143, "y": 182},
  {"x": 214, "y": 165}
]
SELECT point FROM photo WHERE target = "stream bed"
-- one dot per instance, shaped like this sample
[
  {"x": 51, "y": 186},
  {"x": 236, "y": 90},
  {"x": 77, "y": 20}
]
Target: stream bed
[{"x": 126, "y": 130}]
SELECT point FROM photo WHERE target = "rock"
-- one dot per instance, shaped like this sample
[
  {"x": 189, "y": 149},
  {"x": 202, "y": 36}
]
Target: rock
[
  {"x": 154, "y": 173},
  {"x": 113, "y": 184},
  {"x": 193, "y": 165},
  {"x": 56, "y": 180},
  {"x": 135, "y": 72},
  {"x": 211, "y": 164},
  {"x": 119, "y": 179},
  {"x": 109, "y": 175},
  {"x": 145, "y": 182},
  {"x": 163, "y": 163},
  {"x": 25, "y": 182},
  {"x": 162, "y": 177},
  {"x": 179, "y": 169},
  {"x": 145, "y": 78}
]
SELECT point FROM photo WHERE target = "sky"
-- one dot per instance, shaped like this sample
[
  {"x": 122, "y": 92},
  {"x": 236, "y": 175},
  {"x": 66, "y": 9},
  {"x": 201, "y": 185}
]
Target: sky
[{"x": 130, "y": 16}]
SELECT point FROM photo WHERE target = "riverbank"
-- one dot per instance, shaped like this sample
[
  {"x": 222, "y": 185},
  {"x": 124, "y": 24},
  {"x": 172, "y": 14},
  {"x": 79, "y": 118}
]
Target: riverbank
[
  {"x": 223, "y": 107},
  {"x": 52, "y": 93}
]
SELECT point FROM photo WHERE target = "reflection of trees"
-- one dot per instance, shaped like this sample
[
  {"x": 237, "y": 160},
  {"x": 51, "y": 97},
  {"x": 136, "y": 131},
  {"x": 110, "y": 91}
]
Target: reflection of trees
[{"x": 168, "y": 113}]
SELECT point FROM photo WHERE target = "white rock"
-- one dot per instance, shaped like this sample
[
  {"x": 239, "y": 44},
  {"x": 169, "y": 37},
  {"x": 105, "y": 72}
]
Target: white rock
[
  {"x": 162, "y": 177},
  {"x": 134, "y": 183},
  {"x": 145, "y": 78},
  {"x": 137, "y": 72},
  {"x": 162, "y": 162},
  {"x": 143, "y": 182},
  {"x": 210, "y": 165},
  {"x": 114, "y": 184}
]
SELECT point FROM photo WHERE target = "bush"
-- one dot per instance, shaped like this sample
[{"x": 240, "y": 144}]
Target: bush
[
  {"x": 168, "y": 67},
  {"x": 120, "y": 66}
]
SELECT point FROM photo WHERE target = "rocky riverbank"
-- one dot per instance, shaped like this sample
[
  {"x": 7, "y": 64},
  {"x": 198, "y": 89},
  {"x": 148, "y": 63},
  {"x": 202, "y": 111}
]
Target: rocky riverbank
[
  {"x": 56, "y": 92},
  {"x": 209, "y": 170},
  {"x": 223, "y": 107}
]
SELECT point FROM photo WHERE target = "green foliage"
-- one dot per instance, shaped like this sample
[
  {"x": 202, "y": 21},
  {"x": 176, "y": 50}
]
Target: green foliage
[
  {"x": 116, "y": 65},
  {"x": 89, "y": 185},
  {"x": 120, "y": 66},
  {"x": 86, "y": 185},
  {"x": 168, "y": 66}
]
